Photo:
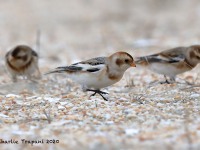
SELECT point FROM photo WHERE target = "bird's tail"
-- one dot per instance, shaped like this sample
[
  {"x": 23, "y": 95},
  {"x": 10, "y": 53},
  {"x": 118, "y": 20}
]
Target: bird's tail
[{"x": 57, "y": 70}]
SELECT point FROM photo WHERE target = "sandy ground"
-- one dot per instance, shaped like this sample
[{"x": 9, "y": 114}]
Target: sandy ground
[{"x": 138, "y": 115}]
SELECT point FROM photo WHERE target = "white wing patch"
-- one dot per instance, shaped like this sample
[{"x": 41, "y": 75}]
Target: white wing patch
[{"x": 86, "y": 67}]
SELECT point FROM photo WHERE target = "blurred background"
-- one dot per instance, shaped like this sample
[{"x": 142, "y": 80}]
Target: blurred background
[
  {"x": 80, "y": 29},
  {"x": 137, "y": 115}
]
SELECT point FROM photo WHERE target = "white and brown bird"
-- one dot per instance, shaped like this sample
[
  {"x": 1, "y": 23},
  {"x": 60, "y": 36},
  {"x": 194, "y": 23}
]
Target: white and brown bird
[
  {"x": 172, "y": 62},
  {"x": 100, "y": 72},
  {"x": 22, "y": 61}
]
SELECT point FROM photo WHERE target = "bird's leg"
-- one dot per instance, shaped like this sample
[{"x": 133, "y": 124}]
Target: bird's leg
[
  {"x": 98, "y": 92},
  {"x": 172, "y": 79},
  {"x": 166, "y": 81}
]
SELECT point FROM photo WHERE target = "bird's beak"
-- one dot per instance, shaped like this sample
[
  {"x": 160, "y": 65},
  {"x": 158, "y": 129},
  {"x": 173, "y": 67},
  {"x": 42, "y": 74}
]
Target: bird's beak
[{"x": 133, "y": 65}]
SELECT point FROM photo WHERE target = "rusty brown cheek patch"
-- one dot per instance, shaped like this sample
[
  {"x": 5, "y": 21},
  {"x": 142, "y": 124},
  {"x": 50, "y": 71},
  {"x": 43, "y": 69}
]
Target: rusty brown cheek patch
[{"x": 119, "y": 62}]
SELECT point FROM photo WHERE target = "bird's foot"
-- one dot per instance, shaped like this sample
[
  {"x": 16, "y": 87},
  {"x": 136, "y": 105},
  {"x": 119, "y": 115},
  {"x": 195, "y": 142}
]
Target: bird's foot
[
  {"x": 166, "y": 82},
  {"x": 98, "y": 92}
]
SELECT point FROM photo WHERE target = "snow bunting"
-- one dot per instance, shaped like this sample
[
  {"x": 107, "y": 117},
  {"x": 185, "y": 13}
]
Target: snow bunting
[
  {"x": 172, "y": 62},
  {"x": 100, "y": 72},
  {"x": 22, "y": 61}
]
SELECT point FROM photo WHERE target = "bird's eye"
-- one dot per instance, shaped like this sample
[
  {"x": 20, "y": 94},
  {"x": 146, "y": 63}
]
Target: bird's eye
[
  {"x": 18, "y": 57},
  {"x": 126, "y": 60}
]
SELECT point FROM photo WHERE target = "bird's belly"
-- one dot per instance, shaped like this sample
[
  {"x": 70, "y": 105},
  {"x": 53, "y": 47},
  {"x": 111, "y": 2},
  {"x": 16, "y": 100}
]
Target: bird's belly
[
  {"x": 92, "y": 80},
  {"x": 168, "y": 69}
]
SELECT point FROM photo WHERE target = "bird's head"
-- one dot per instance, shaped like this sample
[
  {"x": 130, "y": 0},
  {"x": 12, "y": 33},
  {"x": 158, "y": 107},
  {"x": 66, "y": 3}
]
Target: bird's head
[
  {"x": 20, "y": 55},
  {"x": 121, "y": 61}
]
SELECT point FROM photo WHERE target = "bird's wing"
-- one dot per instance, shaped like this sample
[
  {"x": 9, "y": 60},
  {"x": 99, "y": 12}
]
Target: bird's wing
[
  {"x": 93, "y": 61},
  {"x": 169, "y": 56},
  {"x": 91, "y": 65}
]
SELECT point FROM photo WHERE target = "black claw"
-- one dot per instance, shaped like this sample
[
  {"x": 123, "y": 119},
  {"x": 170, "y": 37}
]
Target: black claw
[
  {"x": 103, "y": 97},
  {"x": 101, "y": 92},
  {"x": 93, "y": 94},
  {"x": 98, "y": 92},
  {"x": 171, "y": 80},
  {"x": 165, "y": 82}
]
